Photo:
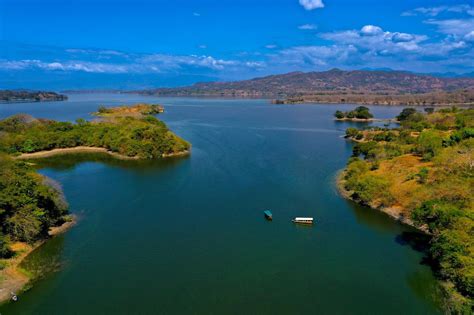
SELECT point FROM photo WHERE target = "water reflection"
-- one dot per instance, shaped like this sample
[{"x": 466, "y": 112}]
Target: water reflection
[
  {"x": 70, "y": 161},
  {"x": 46, "y": 259},
  {"x": 376, "y": 219},
  {"x": 416, "y": 240},
  {"x": 422, "y": 286}
]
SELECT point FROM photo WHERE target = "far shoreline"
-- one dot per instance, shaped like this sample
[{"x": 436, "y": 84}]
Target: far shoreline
[{"x": 388, "y": 120}]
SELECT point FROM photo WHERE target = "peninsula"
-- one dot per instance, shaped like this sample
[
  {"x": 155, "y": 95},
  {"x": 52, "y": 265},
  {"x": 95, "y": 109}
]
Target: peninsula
[
  {"x": 127, "y": 132},
  {"x": 422, "y": 174},
  {"x": 32, "y": 206}
]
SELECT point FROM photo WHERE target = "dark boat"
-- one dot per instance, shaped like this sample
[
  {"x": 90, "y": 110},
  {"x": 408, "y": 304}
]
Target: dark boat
[{"x": 268, "y": 215}]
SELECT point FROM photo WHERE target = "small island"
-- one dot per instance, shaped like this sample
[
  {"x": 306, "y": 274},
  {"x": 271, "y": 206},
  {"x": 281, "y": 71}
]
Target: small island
[
  {"x": 360, "y": 113},
  {"x": 136, "y": 110},
  {"x": 20, "y": 96},
  {"x": 422, "y": 174},
  {"x": 32, "y": 206}
]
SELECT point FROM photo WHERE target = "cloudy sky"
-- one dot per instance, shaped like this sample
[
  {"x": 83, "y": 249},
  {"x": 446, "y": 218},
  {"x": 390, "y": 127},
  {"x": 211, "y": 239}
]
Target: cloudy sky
[{"x": 127, "y": 44}]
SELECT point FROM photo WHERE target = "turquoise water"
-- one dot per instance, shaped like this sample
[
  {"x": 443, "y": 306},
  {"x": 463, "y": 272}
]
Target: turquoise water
[{"x": 188, "y": 235}]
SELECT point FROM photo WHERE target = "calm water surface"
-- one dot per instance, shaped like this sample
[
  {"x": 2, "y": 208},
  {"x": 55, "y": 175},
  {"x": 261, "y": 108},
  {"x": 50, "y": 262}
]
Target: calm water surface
[{"x": 188, "y": 236}]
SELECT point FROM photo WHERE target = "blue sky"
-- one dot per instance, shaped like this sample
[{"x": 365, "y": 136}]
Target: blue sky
[{"x": 134, "y": 44}]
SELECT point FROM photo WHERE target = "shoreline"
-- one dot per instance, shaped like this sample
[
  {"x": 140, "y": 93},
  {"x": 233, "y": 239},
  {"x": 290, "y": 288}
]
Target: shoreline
[
  {"x": 83, "y": 149},
  {"x": 31, "y": 101},
  {"x": 12, "y": 278},
  {"x": 80, "y": 149},
  {"x": 290, "y": 102},
  {"x": 390, "y": 120},
  {"x": 396, "y": 213},
  {"x": 176, "y": 154}
]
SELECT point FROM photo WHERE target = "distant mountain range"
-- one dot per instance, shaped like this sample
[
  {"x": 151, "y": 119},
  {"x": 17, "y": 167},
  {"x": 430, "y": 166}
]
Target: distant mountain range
[
  {"x": 336, "y": 86},
  {"x": 332, "y": 81}
]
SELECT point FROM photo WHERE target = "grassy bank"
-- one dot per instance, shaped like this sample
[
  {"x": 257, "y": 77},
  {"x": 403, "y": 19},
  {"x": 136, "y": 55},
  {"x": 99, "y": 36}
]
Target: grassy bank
[
  {"x": 12, "y": 277},
  {"x": 422, "y": 174}
]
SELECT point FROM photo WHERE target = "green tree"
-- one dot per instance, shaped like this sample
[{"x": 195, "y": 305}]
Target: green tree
[
  {"x": 5, "y": 251},
  {"x": 25, "y": 224},
  {"x": 437, "y": 215},
  {"x": 351, "y": 132},
  {"x": 362, "y": 112},
  {"x": 406, "y": 113},
  {"x": 429, "y": 144},
  {"x": 422, "y": 175},
  {"x": 339, "y": 115}
]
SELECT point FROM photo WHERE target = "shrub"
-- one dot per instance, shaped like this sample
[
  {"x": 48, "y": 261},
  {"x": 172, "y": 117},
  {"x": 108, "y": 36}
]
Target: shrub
[
  {"x": 103, "y": 110},
  {"x": 339, "y": 115},
  {"x": 5, "y": 251},
  {"x": 351, "y": 132},
  {"x": 406, "y": 113},
  {"x": 437, "y": 214},
  {"x": 360, "y": 112},
  {"x": 363, "y": 112},
  {"x": 422, "y": 175},
  {"x": 369, "y": 188},
  {"x": 429, "y": 144},
  {"x": 367, "y": 149}
]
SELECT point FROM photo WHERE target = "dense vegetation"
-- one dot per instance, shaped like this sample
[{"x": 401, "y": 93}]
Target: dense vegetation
[
  {"x": 360, "y": 112},
  {"x": 142, "y": 136},
  {"x": 30, "y": 96},
  {"x": 135, "y": 110},
  {"x": 425, "y": 171},
  {"x": 29, "y": 204}
]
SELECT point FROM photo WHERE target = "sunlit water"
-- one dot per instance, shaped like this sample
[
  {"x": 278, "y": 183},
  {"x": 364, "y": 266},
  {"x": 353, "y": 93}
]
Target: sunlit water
[{"x": 188, "y": 236}]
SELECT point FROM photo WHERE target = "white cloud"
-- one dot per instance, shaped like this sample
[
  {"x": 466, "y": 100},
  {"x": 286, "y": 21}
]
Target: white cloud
[
  {"x": 83, "y": 66},
  {"x": 271, "y": 46},
  {"x": 196, "y": 14},
  {"x": 371, "y": 30},
  {"x": 138, "y": 63},
  {"x": 307, "y": 27},
  {"x": 312, "y": 4},
  {"x": 95, "y": 52},
  {"x": 318, "y": 56},
  {"x": 453, "y": 26},
  {"x": 469, "y": 36},
  {"x": 375, "y": 39},
  {"x": 435, "y": 11}
]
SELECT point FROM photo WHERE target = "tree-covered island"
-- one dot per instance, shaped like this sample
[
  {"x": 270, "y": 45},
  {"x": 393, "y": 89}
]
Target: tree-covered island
[
  {"x": 422, "y": 173},
  {"x": 359, "y": 113},
  {"x": 129, "y": 132},
  {"x": 31, "y": 205}
]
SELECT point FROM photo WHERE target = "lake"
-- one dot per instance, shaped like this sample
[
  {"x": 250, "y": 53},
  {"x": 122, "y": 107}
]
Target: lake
[{"x": 188, "y": 235}]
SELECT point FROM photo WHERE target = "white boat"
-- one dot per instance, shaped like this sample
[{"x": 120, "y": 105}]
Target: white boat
[{"x": 303, "y": 220}]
